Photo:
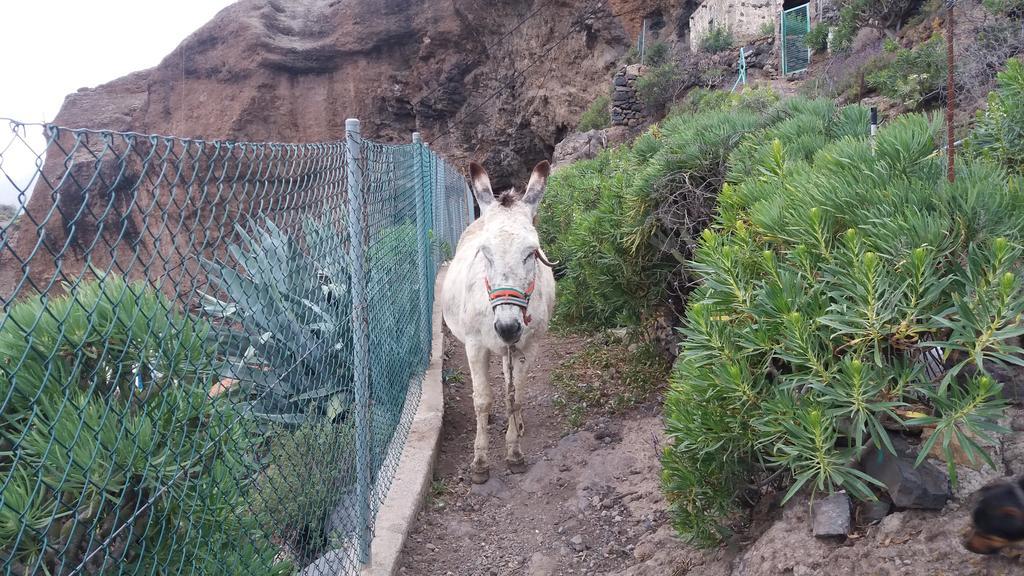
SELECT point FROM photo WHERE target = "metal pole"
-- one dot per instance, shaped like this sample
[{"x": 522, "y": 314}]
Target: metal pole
[
  {"x": 782, "y": 40},
  {"x": 360, "y": 331},
  {"x": 423, "y": 243},
  {"x": 643, "y": 42},
  {"x": 441, "y": 224},
  {"x": 950, "y": 95},
  {"x": 874, "y": 126},
  {"x": 470, "y": 213}
]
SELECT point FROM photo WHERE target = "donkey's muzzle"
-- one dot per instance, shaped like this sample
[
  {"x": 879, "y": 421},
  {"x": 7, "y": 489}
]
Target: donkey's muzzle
[{"x": 509, "y": 330}]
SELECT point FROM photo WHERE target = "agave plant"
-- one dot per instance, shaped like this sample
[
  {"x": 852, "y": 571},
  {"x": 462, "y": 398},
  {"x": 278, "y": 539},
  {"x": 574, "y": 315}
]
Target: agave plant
[{"x": 284, "y": 330}]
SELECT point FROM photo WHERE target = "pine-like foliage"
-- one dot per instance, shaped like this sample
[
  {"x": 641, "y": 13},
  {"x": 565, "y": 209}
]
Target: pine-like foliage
[
  {"x": 999, "y": 134},
  {"x": 833, "y": 268},
  {"x": 624, "y": 222}
]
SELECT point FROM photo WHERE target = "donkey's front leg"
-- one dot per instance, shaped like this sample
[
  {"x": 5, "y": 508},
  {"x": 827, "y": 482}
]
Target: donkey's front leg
[
  {"x": 514, "y": 407},
  {"x": 479, "y": 359}
]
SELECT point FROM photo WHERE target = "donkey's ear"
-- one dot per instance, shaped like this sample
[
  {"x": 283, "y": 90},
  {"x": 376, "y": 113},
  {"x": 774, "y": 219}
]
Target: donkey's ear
[
  {"x": 538, "y": 182},
  {"x": 481, "y": 186}
]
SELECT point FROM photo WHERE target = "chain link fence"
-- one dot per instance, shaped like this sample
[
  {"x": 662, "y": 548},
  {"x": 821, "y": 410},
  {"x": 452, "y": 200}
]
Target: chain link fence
[{"x": 210, "y": 351}]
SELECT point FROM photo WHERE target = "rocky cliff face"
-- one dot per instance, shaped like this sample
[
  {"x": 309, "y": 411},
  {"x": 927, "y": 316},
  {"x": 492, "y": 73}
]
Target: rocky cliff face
[
  {"x": 499, "y": 82},
  {"x": 293, "y": 70}
]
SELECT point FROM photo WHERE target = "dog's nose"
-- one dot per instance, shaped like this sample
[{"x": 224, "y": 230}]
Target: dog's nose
[{"x": 509, "y": 330}]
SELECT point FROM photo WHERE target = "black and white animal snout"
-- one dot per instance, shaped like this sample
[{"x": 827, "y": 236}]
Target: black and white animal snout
[{"x": 509, "y": 330}]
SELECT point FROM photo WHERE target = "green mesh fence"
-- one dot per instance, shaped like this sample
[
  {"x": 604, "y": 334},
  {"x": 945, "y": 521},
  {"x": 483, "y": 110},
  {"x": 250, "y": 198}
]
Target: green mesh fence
[
  {"x": 796, "y": 24},
  {"x": 210, "y": 351}
]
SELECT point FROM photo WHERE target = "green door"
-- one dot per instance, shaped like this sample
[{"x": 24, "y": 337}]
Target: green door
[{"x": 796, "y": 23}]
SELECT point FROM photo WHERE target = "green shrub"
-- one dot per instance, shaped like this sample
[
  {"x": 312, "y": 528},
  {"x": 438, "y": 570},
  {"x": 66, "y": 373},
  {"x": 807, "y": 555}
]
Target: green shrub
[
  {"x": 311, "y": 471},
  {"x": 914, "y": 77},
  {"x": 857, "y": 14},
  {"x": 656, "y": 54},
  {"x": 759, "y": 99},
  {"x": 999, "y": 130},
  {"x": 597, "y": 115},
  {"x": 831, "y": 269},
  {"x": 1004, "y": 7},
  {"x": 616, "y": 221},
  {"x": 658, "y": 86},
  {"x": 891, "y": 46},
  {"x": 718, "y": 39},
  {"x": 106, "y": 405},
  {"x": 632, "y": 56},
  {"x": 817, "y": 38},
  {"x": 767, "y": 28}
]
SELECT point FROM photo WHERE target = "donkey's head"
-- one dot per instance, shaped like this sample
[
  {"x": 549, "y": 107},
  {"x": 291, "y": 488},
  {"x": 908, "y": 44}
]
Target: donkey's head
[{"x": 509, "y": 248}]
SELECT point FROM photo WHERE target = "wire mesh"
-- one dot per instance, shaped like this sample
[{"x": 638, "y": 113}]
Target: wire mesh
[
  {"x": 180, "y": 347},
  {"x": 796, "y": 24}
]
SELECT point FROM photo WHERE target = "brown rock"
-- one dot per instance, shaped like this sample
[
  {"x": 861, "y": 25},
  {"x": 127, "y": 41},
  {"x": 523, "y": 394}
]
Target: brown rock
[{"x": 271, "y": 70}]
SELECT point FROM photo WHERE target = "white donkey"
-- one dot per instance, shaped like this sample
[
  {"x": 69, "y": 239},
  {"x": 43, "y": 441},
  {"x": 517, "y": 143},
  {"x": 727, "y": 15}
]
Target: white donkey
[{"x": 499, "y": 294}]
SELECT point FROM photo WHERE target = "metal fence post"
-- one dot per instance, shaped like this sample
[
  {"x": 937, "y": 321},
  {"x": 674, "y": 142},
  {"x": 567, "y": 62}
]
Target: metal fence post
[
  {"x": 470, "y": 213},
  {"x": 422, "y": 255},
  {"x": 441, "y": 217},
  {"x": 360, "y": 331}
]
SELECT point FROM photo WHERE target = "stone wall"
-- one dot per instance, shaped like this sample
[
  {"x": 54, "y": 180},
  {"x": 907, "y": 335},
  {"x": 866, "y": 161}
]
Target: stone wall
[
  {"x": 744, "y": 18},
  {"x": 627, "y": 108}
]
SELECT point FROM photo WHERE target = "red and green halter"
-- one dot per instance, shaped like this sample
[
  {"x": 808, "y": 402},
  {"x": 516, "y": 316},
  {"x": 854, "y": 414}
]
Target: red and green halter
[{"x": 513, "y": 296}]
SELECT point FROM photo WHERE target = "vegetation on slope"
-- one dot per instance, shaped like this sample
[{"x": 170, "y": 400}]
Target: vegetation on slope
[{"x": 835, "y": 267}]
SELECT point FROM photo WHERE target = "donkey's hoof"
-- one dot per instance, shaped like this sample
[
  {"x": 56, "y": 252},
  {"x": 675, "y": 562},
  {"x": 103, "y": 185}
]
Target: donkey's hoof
[
  {"x": 479, "y": 475},
  {"x": 516, "y": 466}
]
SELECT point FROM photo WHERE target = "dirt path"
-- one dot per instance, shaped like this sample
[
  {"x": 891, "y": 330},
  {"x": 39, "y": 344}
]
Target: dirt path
[{"x": 588, "y": 504}]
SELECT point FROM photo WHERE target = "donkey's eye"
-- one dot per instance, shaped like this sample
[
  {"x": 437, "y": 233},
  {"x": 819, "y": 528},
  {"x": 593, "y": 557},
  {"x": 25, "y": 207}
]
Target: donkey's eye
[{"x": 529, "y": 256}]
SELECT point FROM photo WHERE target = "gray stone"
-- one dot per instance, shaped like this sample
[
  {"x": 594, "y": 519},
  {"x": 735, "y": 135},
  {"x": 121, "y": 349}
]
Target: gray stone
[
  {"x": 1012, "y": 379},
  {"x": 1017, "y": 424},
  {"x": 872, "y": 512},
  {"x": 908, "y": 487},
  {"x": 494, "y": 488},
  {"x": 830, "y": 516},
  {"x": 620, "y": 80},
  {"x": 541, "y": 565},
  {"x": 577, "y": 543}
]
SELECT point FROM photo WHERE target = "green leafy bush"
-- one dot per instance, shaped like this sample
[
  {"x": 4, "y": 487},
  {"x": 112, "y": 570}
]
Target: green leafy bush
[
  {"x": 830, "y": 273},
  {"x": 310, "y": 472},
  {"x": 718, "y": 39},
  {"x": 701, "y": 100},
  {"x": 597, "y": 116},
  {"x": 999, "y": 131},
  {"x": 880, "y": 15},
  {"x": 914, "y": 77},
  {"x": 106, "y": 404},
  {"x": 1005, "y": 7},
  {"x": 656, "y": 54},
  {"x": 624, "y": 222},
  {"x": 658, "y": 86},
  {"x": 767, "y": 28},
  {"x": 817, "y": 38}
]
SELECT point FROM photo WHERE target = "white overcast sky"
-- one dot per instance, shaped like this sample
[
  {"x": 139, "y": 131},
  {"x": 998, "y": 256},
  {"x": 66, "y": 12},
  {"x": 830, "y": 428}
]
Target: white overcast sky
[{"x": 50, "y": 48}]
